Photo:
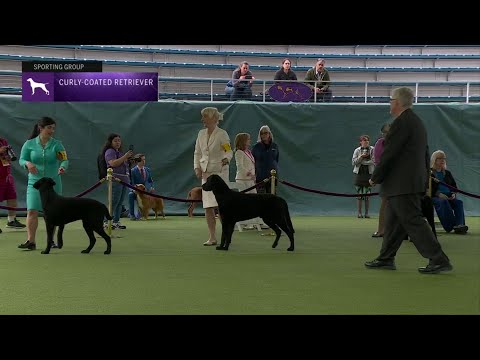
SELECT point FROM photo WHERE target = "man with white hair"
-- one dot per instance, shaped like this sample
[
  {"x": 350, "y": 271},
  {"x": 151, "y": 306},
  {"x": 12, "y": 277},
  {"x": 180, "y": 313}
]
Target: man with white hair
[{"x": 403, "y": 172}]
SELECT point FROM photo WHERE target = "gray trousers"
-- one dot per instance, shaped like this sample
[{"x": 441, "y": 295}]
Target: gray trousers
[{"x": 403, "y": 216}]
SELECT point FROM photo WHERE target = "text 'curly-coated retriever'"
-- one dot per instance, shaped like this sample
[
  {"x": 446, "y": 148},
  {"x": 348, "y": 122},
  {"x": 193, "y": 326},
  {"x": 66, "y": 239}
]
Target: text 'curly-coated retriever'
[
  {"x": 236, "y": 206},
  {"x": 59, "y": 210}
]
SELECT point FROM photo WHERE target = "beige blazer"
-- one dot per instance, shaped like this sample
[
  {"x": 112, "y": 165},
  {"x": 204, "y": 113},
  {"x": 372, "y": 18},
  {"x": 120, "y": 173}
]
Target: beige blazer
[{"x": 210, "y": 150}]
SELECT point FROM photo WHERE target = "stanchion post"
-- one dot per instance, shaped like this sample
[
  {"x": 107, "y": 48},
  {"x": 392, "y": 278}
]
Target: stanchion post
[
  {"x": 273, "y": 174},
  {"x": 109, "y": 180}
]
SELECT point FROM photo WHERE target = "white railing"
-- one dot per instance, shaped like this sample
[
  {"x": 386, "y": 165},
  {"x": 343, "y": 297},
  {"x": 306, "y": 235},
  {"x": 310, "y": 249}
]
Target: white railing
[{"x": 342, "y": 91}]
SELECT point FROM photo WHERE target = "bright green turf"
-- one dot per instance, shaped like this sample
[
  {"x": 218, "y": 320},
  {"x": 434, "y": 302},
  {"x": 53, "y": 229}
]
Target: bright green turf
[{"x": 161, "y": 267}]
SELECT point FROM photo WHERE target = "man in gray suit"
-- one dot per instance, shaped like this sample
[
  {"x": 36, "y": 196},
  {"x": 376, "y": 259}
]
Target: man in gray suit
[{"x": 403, "y": 173}]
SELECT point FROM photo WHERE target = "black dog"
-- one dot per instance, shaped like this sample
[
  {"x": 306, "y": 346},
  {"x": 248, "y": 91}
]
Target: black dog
[
  {"x": 235, "y": 206},
  {"x": 59, "y": 210}
]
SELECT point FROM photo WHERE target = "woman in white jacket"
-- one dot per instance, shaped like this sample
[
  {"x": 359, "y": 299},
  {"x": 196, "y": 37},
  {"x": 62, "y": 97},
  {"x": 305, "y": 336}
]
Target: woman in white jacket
[{"x": 211, "y": 156}]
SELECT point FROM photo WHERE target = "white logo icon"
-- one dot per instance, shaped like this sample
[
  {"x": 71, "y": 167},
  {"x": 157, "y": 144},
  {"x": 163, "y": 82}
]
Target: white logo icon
[{"x": 35, "y": 85}]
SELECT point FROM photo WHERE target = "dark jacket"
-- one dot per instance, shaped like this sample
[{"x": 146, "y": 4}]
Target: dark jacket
[
  {"x": 281, "y": 75},
  {"x": 449, "y": 180},
  {"x": 404, "y": 165},
  {"x": 266, "y": 159}
]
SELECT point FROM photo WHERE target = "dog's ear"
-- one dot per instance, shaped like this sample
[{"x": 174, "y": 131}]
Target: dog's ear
[
  {"x": 38, "y": 183},
  {"x": 51, "y": 181}
]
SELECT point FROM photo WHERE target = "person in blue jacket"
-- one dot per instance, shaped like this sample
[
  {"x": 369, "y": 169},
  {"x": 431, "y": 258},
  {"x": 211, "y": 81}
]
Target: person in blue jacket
[
  {"x": 266, "y": 155},
  {"x": 140, "y": 174}
]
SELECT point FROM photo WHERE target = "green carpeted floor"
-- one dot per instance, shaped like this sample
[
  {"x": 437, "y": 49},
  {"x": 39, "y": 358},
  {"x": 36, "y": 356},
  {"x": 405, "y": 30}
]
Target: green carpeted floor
[{"x": 161, "y": 267}]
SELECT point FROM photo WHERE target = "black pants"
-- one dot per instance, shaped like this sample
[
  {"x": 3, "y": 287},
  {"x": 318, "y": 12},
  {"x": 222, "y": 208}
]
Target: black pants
[{"x": 403, "y": 215}]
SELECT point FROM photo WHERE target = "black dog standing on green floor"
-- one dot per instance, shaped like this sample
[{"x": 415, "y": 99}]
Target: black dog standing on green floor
[
  {"x": 59, "y": 210},
  {"x": 236, "y": 206}
]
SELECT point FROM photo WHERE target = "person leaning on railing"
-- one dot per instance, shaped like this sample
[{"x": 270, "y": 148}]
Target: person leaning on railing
[
  {"x": 242, "y": 80},
  {"x": 319, "y": 82}
]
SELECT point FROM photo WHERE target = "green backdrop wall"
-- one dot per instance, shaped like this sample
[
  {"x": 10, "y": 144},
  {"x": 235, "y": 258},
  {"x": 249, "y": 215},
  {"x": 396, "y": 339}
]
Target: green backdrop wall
[{"x": 316, "y": 143}]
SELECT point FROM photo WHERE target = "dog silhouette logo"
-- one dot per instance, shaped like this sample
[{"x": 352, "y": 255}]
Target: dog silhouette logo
[{"x": 40, "y": 85}]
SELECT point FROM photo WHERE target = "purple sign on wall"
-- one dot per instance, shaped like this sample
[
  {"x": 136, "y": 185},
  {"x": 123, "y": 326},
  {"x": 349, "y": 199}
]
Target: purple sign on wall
[{"x": 90, "y": 86}]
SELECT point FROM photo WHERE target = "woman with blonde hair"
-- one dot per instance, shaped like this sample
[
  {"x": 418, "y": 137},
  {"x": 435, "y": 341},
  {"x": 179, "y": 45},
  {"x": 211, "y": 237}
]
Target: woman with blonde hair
[
  {"x": 266, "y": 155},
  {"x": 212, "y": 155},
  {"x": 448, "y": 207}
]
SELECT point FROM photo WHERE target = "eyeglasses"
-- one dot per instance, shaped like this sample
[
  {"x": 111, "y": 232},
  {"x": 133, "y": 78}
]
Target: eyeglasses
[{"x": 264, "y": 133}]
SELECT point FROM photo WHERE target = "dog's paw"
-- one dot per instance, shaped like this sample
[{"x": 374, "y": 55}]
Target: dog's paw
[
  {"x": 107, "y": 252},
  {"x": 86, "y": 251},
  {"x": 275, "y": 244},
  {"x": 291, "y": 248},
  {"x": 221, "y": 248},
  {"x": 45, "y": 252},
  {"x": 60, "y": 245}
]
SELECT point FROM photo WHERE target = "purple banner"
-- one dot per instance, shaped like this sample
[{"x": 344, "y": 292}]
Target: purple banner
[
  {"x": 90, "y": 86},
  {"x": 286, "y": 91}
]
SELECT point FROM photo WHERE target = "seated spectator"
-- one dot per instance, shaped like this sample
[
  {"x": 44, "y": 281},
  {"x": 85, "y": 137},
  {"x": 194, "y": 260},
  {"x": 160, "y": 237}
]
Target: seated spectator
[
  {"x": 242, "y": 80},
  {"x": 448, "y": 207},
  {"x": 140, "y": 174},
  {"x": 319, "y": 81},
  {"x": 229, "y": 89},
  {"x": 285, "y": 72}
]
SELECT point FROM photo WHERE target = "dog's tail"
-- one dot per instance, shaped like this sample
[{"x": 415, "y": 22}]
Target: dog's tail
[{"x": 107, "y": 213}]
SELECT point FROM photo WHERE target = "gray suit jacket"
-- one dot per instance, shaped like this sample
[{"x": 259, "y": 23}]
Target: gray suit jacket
[{"x": 403, "y": 167}]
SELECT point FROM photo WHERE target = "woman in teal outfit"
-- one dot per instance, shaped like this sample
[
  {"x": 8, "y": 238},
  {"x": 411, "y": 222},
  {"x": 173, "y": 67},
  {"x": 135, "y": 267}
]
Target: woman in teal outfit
[{"x": 42, "y": 156}]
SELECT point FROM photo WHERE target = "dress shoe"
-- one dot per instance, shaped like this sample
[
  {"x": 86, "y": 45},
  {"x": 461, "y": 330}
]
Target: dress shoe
[
  {"x": 460, "y": 229},
  {"x": 209, "y": 243},
  {"x": 435, "y": 269},
  {"x": 377, "y": 234},
  {"x": 28, "y": 245},
  {"x": 379, "y": 264}
]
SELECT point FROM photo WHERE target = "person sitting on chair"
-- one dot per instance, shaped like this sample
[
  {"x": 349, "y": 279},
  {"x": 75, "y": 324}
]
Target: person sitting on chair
[
  {"x": 140, "y": 175},
  {"x": 242, "y": 80},
  {"x": 448, "y": 207},
  {"x": 319, "y": 81}
]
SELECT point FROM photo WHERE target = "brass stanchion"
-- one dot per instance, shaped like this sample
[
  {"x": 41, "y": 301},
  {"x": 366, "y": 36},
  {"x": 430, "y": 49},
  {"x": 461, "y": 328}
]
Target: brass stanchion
[
  {"x": 109, "y": 179},
  {"x": 273, "y": 178},
  {"x": 273, "y": 174}
]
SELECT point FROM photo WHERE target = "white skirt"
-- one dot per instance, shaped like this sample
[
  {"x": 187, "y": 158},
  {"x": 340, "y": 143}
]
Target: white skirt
[{"x": 208, "y": 198}]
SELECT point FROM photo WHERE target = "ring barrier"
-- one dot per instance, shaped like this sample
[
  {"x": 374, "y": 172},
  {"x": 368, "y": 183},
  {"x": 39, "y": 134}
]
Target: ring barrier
[{"x": 273, "y": 189}]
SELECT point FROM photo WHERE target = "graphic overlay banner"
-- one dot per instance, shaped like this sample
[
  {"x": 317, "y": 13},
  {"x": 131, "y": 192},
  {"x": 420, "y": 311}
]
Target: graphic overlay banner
[
  {"x": 89, "y": 86},
  {"x": 62, "y": 66}
]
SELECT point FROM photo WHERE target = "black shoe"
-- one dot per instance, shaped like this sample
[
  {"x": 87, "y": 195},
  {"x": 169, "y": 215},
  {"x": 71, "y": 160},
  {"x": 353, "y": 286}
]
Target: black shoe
[
  {"x": 435, "y": 269},
  {"x": 15, "y": 224},
  {"x": 0, "y": 231},
  {"x": 460, "y": 229},
  {"x": 28, "y": 245},
  {"x": 379, "y": 264}
]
